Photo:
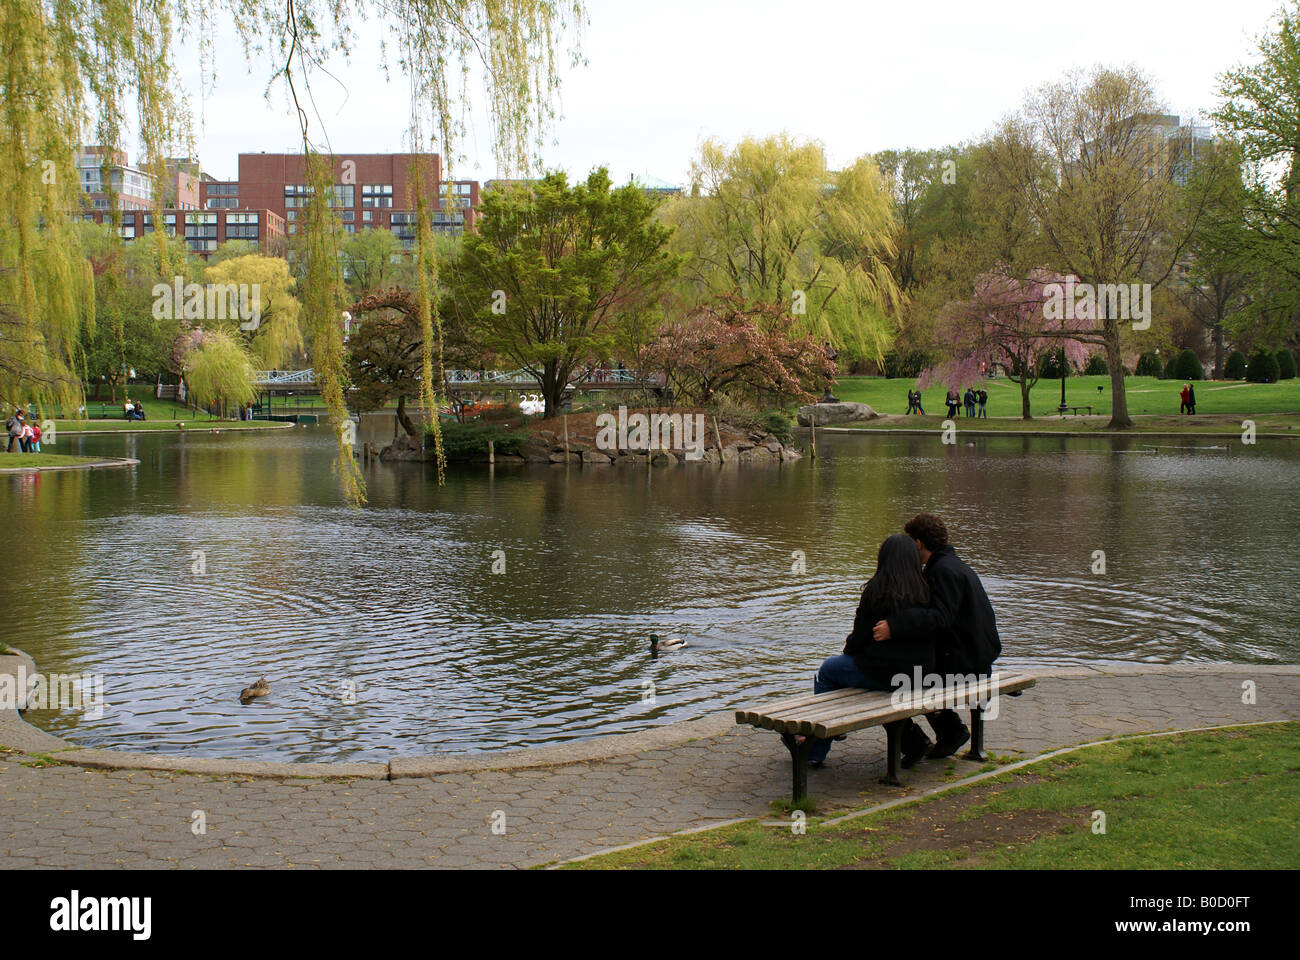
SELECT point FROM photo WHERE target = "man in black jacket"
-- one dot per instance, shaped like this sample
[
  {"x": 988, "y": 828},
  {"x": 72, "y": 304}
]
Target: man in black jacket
[{"x": 960, "y": 610}]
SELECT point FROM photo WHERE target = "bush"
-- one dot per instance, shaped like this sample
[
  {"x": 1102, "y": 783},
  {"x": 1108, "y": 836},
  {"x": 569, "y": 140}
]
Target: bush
[
  {"x": 1234, "y": 368},
  {"x": 1149, "y": 365},
  {"x": 1096, "y": 366},
  {"x": 462, "y": 441},
  {"x": 1171, "y": 368},
  {"x": 746, "y": 417},
  {"x": 907, "y": 364},
  {"x": 1285, "y": 365},
  {"x": 1262, "y": 367},
  {"x": 1188, "y": 367}
]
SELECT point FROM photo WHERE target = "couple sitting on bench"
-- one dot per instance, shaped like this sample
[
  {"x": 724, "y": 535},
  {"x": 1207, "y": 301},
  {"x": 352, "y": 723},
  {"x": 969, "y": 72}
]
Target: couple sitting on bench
[{"x": 914, "y": 620}]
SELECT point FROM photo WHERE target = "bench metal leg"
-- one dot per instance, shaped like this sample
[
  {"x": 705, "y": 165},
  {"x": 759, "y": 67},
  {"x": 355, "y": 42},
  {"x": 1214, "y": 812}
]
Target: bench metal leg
[
  {"x": 976, "y": 751},
  {"x": 799, "y": 760},
  {"x": 894, "y": 731}
]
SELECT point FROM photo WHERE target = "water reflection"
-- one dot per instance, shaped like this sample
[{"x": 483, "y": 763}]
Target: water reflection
[{"x": 398, "y": 602}]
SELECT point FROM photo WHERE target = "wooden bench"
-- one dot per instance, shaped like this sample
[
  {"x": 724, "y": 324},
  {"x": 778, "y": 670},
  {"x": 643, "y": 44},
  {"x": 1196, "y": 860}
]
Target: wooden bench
[
  {"x": 826, "y": 715},
  {"x": 1075, "y": 410}
]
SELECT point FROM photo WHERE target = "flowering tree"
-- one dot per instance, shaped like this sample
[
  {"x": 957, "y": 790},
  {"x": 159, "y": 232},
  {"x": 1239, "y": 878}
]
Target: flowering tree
[
  {"x": 729, "y": 342},
  {"x": 1006, "y": 325}
]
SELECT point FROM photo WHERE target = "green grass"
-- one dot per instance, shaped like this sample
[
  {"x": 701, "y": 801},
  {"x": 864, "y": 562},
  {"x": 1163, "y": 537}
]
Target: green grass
[
  {"x": 1147, "y": 396},
  {"x": 24, "y": 460},
  {"x": 1215, "y": 800}
]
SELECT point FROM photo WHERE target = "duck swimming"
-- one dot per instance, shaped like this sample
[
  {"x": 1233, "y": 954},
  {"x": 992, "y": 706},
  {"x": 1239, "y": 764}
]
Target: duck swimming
[
  {"x": 666, "y": 644},
  {"x": 259, "y": 689}
]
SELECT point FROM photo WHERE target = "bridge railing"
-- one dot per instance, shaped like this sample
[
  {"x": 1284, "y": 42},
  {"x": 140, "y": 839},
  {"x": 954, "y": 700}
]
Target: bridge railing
[{"x": 279, "y": 378}]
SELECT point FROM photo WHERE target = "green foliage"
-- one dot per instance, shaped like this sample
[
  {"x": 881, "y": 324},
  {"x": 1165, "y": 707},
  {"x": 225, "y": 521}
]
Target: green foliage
[
  {"x": 768, "y": 221},
  {"x": 575, "y": 266},
  {"x": 1234, "y": 368},
  {"x": 1263, "y": 367},
  {"x": 1188, "y": 367},
  {"x": 906, "y": 364},
  {"x": 1148, "y": 365},
  {"x": 1096, "y": 366},
  {"x": 1285, "y": 365},
  {"x": 220, "y": 371},
  {"x": 463, "y": 441},
  {"x": 1171, "y": 368}
]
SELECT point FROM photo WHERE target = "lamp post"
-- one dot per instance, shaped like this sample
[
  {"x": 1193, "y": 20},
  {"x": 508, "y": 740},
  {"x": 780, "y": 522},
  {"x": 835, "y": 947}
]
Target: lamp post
[{"x": 1062, "y": 362}]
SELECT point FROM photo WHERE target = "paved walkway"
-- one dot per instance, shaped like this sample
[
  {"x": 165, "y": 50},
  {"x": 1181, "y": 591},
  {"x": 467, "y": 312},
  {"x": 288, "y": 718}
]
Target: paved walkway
[{"x": 70, "y": 816}]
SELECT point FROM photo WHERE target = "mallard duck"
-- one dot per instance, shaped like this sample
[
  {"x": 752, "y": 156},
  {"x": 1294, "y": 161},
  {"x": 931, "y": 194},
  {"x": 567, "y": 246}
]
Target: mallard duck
[
  {"x": 667, "y": 643},
  {"x": 259, "y": 689}
]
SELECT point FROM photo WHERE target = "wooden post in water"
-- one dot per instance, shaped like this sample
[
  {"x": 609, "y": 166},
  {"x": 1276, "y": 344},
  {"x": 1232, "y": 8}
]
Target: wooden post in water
[
  {"x": 812, "y": 422},
  {"x": 717, "y": 435},
  {"x": 492, "y": 452},
  {"x": 565, "y": 420}
]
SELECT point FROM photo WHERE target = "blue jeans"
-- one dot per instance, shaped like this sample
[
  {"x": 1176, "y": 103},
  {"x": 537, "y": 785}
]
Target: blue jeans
[{"x": 836, "y": 673}]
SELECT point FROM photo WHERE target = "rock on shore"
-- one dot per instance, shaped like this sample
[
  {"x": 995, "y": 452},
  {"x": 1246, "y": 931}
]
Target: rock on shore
[{"x": 827, "y": 414}]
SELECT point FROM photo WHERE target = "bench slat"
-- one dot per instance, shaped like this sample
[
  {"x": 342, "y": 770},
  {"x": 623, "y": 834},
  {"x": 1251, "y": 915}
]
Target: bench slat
[
  {"x": 842, "y": 711},
  {"x": 950, "y": 699}
]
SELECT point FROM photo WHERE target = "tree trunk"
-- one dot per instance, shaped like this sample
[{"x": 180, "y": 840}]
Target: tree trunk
[
  {"x": 405, "y": 420},
  {"x": 1025, "y": 413},
  {"x": 552, "y": 388},
  {"x": 1119, "y": 418}
]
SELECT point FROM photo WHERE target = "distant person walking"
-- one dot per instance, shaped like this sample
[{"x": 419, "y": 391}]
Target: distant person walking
[
  {"x": 953, "y": 400},
  {"x": 911, "y": 402},
  {"x": 983, "y": 397},
  {"x": 920, "y": 410},
  {"x": 969, "y": 399},
  {"x": 1185, "y": 398},
  {"x": 1191, "y": 399}
]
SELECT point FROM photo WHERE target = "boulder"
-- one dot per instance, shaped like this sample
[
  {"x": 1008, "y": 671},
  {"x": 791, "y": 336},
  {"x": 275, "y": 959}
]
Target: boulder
[
  {"x": 594, "y": 456},
  {"x": 826, "y": 414},
  {"x": 664, "y": 459}
]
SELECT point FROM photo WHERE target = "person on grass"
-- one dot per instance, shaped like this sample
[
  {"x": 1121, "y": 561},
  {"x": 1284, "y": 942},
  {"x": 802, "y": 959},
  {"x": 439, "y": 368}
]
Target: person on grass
[{"x": 898, "y": 585}]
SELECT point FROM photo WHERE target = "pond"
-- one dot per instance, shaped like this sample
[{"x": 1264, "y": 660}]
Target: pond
[{"x": 385, "y": 631}]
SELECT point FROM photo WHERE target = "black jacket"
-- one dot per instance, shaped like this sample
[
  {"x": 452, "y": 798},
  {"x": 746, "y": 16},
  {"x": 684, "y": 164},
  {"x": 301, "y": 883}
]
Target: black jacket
[
  {"x": 959, "y": 616},
  {"x": 881, "y": 661}
]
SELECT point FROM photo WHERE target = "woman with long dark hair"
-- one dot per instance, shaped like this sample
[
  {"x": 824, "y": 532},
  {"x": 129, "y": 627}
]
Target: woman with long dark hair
[{"x": 899, "y": 583}]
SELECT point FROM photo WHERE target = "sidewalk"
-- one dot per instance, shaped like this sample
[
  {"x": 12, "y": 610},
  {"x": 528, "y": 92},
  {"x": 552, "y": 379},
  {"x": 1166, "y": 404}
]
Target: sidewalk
[{"x": 437, "y": 815}]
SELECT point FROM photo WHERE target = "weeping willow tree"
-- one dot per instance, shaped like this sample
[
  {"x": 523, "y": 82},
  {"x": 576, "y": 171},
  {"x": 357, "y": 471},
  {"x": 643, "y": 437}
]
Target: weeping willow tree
[
  {"x": 767, "y": 220},
  {"x": 71, "y": 67}
]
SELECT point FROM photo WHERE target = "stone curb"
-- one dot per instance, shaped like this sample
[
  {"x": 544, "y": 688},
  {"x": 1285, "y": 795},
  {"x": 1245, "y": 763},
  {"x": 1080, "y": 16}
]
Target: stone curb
[
  {"x": 17, "y": 734},
  {"x": 97, "y": 464}
]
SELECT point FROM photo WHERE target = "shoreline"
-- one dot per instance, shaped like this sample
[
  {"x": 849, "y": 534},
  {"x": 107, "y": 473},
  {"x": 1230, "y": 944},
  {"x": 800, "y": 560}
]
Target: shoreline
[
  {"x": 102, "y": 463},
  {"x": 225, "y": 427},
  {"x": 17, "y": 734}
]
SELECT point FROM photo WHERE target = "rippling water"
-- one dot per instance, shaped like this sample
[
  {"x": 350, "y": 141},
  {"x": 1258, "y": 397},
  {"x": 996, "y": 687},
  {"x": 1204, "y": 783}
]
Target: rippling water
[{"x": 396, "y": 607}]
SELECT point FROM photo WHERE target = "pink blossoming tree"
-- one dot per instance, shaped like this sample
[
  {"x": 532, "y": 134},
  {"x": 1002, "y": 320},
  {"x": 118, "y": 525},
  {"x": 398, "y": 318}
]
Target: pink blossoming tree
[{"x": 1006, "y": 325}]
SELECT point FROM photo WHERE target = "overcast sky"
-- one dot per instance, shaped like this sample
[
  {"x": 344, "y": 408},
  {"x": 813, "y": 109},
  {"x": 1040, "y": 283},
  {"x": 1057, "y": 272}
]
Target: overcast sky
[{"x": 857, "y": 75}]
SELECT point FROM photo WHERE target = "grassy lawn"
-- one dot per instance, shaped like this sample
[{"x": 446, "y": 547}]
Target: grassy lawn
[
  {"x": 1219, "y": 800},
  {"x": 1147, "y": 396},
  {"x": 24, "y": 460}
]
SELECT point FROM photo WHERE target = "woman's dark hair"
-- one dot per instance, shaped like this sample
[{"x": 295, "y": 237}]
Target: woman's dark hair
[{"x": 898, "y": 582}]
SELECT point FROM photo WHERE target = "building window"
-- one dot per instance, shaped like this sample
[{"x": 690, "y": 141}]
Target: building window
[
  {"x": 242, "y": 232},
  {"x": 223, "y": 189},
  {"x": 241, "y": 218},
  {"x": 376, "y": 194},
  {"x": 367, "y": 216}
]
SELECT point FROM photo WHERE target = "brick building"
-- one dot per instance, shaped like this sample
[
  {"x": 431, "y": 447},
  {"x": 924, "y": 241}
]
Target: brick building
[
  {"x": 371, "y": 190},
  {"x": 204, "y": 230}
]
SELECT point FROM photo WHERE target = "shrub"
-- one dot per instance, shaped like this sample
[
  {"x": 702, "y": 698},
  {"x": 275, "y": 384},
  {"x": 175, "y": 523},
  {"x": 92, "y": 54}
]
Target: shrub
[
  {"x": 461, "y": 441},
  {"x": 1149, "y": 365},
  {"x": 907, "y": 364},
  {"x": 1262, "y": 367},
  {"x": 1285, "y": 365},
  {"x": 1096, "y": 366},
  {"x": 1188, "y": 367},
  {"x": 746, "y": 417},
  {"x": 1234, "y": 368},
  {"x": 1171, "y": 368}
]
